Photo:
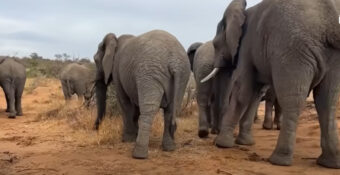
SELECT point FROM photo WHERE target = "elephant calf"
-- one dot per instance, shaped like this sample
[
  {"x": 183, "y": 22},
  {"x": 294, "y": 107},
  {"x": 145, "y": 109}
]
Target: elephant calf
[
  {"x": 149, "y": 71},
  {"x": 12, "y": 81},
  {"x": 77, "y": 79}
]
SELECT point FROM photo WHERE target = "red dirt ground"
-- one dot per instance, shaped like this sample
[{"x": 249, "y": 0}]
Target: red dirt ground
[{"x": 29, "y": 146}]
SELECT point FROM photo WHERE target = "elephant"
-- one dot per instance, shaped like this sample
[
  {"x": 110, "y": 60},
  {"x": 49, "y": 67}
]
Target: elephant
[
  {"x": 12, "y": 81},
  {"x": 209, "y": 94},
  {"x": 149, "y": 71},
  {"x": 77, "y": 79},
  {"x": 293, "y": 46}
]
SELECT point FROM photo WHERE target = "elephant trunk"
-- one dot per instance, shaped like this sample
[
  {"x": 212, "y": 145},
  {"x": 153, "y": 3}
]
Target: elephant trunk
[{"x": 101, "y": 89}]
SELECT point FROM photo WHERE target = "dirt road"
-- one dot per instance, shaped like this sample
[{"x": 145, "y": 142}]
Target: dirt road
[{"x": 32, "y": 146}]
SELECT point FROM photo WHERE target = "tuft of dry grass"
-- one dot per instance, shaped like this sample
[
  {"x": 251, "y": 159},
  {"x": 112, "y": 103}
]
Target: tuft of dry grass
[
  {"x": 33, "y": 83},
  {"x": 81, "y": 121}
]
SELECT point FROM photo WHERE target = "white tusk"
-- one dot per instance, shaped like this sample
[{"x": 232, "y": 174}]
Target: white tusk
[{"x": 212, "y": 74}]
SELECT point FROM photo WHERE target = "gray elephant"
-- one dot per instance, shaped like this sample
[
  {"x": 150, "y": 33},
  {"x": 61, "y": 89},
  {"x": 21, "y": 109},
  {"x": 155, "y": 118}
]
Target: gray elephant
[
  {"x": 209, "y": 94},
  {"x": 293, "y": 46},
  {"x": 77, "y": 79},
  {"x": 149, "y": 72},
  {"x": 12, "y": 81}
]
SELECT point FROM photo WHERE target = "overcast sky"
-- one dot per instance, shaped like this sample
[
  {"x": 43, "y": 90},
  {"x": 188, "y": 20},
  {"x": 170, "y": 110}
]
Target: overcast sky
[{"x": 77, "y": 26}]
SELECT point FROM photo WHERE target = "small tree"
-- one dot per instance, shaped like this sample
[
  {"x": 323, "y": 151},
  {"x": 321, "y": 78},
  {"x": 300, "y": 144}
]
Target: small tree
[
  {"x": 58, "y": 56},
  {"x": 34, "y": 55},
  {"x": 66, "y": 56}
]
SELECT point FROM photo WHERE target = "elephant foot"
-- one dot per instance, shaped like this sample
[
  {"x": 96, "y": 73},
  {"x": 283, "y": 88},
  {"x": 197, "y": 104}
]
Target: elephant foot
[
  {"x": 214, "y": 131},
  {"x": 12, "y": 115},
  {"x": 245, "y": 139},
  {"x": 140, "y": 152},
  {"x": 278, "y": 127},
  {"x": 168, "y": 146},
  {"x": 129, "y": 137},
  {"x": 7, "y": 110},
  {"x": 267, "y": 125},
  {"x": 203, "y": 133},
  {"x": 224, "y": 141},
  {"x": 330, "y": 161},
  {"x": 19, "y": 114},
  {"x": 281, "y": 159}
]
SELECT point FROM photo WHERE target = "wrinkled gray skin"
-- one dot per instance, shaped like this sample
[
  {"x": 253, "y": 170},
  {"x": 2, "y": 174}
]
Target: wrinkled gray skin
[
  {"x": 12, "y": 81},
  {"x": 209, "y": 94},
  {"x": 149, "y": 71},
  {"x": 77, "y": 79},
  {"x": 293, "y": 46}
]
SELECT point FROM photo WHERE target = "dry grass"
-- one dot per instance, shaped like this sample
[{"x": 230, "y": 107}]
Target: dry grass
[
  {"x": 33, "y": 83},
  {"x": 80, "y": 120}
]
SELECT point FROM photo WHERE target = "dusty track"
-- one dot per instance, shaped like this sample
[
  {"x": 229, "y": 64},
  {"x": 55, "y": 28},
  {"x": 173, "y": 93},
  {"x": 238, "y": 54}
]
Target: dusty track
[{"x": 29, "y": 146}]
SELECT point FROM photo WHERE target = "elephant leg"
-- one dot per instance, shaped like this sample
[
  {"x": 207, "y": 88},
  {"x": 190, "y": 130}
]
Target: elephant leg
[
  {"x": 7, "y": 102},
  {"x": 18, "y": 94},
  {"x": 168, "y": 142},
  {"x": 80, "y": 91},
  {"x": 291, "y": 88},
  {"x": 204, "y": 112},
  {"x": 278, "y": 115},
  {"x": 10, "y": 91},
  {"x": 268, "y": 116},
  {"x": 256, "y": 117},
  {"x": 66, "y": 92},
  {"x": 130, "y": 116},
  {"x": 215, "y": 118},
  {"x": 326, "y": 96},
  {"x": 245, "y": 136},
  {"x": 149, "y": 97},
  {"x": 243, "y": 89}
]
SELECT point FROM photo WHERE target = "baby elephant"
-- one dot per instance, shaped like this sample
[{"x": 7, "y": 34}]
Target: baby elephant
[
  {"x": 12, "y": 81},
  {"x": 77, "y": 79}
]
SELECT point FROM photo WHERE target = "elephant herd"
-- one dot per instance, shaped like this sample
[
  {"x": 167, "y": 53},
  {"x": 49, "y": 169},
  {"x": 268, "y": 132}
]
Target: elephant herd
[{"x": 278, "y": 51}]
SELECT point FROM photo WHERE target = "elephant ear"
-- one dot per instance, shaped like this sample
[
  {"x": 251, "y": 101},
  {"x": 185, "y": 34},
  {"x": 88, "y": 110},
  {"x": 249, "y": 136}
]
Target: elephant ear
[
  {"x": 191, "y": 52},
  {"x": 235, "y": 18},
  {"x": 109, "y": 47}
]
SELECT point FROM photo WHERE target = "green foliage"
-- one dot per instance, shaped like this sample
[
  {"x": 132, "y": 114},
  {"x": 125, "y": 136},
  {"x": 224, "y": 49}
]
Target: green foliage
[{"x": 36, "y": 66}]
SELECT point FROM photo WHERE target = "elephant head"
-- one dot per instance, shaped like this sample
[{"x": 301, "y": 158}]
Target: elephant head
[
  {"x": 104, "y": 59},
  {"x": 105, "y": 56},
  {"x": 228, "y": 37},
  {"x": 191, "y": 53}
]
